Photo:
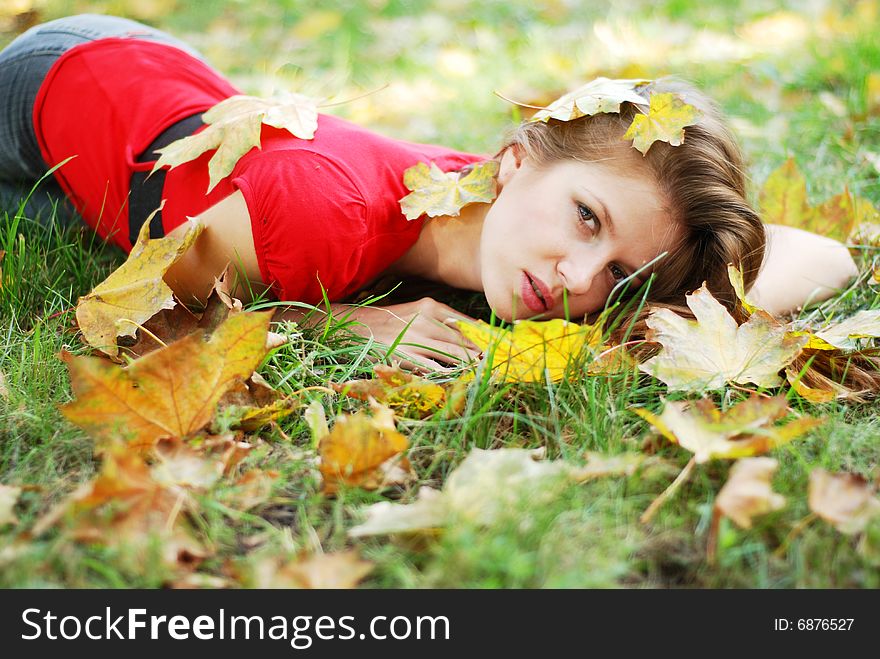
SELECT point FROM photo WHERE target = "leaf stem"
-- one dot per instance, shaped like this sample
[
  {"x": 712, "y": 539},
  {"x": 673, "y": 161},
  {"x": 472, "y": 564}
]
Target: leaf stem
[
  {"x": 795, "y": 530},
  {"x": 145, "y": 331}
]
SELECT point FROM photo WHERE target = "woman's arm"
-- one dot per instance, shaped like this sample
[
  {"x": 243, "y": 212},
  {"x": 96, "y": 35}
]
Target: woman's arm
[
  {"x": 429, "y": 340},
  {"x": 800, "y": 268},
  {"x": 227, "y": 238}
]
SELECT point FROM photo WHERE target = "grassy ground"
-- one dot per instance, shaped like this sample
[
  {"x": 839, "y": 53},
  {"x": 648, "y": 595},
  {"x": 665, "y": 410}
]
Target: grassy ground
[{"x": 795, "y": 83}]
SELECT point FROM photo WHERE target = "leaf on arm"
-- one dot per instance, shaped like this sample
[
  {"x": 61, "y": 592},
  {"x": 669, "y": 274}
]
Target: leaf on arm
[
  {"x": 435, "y": 192},
  {"x": 234, "y": 127}
]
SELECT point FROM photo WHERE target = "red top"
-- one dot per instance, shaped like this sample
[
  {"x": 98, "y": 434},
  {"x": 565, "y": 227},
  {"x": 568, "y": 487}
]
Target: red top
[{"x": 323, "y": 210}]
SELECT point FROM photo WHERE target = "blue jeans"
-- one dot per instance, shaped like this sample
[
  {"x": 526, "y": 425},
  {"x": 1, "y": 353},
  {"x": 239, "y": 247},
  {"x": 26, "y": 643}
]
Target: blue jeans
[{"x": 23, "y": 66}]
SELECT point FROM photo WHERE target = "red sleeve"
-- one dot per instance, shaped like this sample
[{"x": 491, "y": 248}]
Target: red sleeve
[{"x": 308, "y": 219}]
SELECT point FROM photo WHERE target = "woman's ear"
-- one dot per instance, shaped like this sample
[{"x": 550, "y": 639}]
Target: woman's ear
[{"x": 511, "y": 160}]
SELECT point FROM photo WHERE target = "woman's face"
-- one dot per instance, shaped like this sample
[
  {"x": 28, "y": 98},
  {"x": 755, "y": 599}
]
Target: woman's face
[{"x": 570, "y": 227}]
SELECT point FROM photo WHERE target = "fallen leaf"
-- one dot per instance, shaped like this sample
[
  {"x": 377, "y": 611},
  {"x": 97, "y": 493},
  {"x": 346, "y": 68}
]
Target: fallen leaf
[
  {"x": 843, "y": 334},
  {"x": 251, "y": 489},
  {"x": 783, "y": 200},
  {"x": 712, "y": 350},
  {"x": 667, "y": 117},
  {"x": 408, "y": 395},
  {"x": 357, "y": 448},
  {"x": 252, "y": 404},
  {"x": 4, "y": 391},
  {"x": 485, "y": 486},
  {"x": 746, "y": 429},
  {"x": 126, "y": 508},
  {"x": 178, "y": 464},
  {"x": 134, "y": 292},
  {"x": 435, "y": 192},
  {"x": 748, "y": 491},
  {"x": 8, "y": 498},
  {"x": 340, "y": 570},
  {"x": 597, "y": 96},
  {"x": 169, "y": 392},
  {"x": 234, "y": 128},
  {"x": 602, "y": 466},
  {"x": 846, "y": 501},
  {"x": 524, "y": 353}
]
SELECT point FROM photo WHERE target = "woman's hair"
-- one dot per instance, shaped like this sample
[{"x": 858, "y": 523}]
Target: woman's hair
[{"x": 702, "y": 182}]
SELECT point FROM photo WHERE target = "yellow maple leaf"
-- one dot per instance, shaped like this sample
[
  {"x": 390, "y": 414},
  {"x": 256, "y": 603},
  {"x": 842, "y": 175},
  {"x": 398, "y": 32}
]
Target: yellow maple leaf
[
  {"x": 234, "y": 127},
  {"x": 667, "y": 117},
  {"x": 746, "y": 429},
  {"x": 134, "y": 292},
  {"x": 707, "y": 352},
  {"x": 597, "y": 96},
  {"x": 783, "y": 200},
  {"x": 405, "y": 393},
  {"x": 847, "y": 501},
  {"x": 172, "y": 391},
  {"x": 524, "y": 353},
  {"x": 435, "y": 192},
  {"x": 748, "y": 491},
  {"x": 357, "y": 451}
]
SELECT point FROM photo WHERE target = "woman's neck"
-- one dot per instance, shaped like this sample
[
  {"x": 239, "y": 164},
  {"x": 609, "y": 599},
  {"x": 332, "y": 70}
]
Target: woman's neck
[{"x": 447, "y": 250}]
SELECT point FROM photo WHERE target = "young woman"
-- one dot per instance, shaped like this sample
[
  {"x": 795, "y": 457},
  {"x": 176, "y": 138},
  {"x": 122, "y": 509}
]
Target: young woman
[{"x": 578, "y": 211}]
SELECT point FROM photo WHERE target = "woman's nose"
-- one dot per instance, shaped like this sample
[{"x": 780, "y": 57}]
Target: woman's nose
[{"x": 577, "y": 275}]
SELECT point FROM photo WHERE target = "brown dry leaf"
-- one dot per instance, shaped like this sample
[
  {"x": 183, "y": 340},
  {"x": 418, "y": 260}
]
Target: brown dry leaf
[
  {"x": 134, "y": 292},
  {"x": 8, "y": 498},
  {"x": 253, "y": 404},
  {"x": 170, "y": 325},
  {"x": 408, "y": 395},
  {"x": 748, "y": 491},
  {"x": 784, "y": 201},
  {"x": 712, "y": 350},
  {"x": 746, "y": 429},
  {"x": 597, "y": 96},
  {"x": 199, "y": 580},
  {"x": 4, "y": 391},
  {"x": 435, "y": 192},
  {"x": 234, "y": 128},
  {"x": 126, "y": 508},
  {"x": 355, "y": 452},
  {"x": 251, "y": 489},
  {"x": 847, "y": 501},
  {"x": 481, "y": 490},
  {"x": 533, "y": 350},
  {"x": 169, "y": 392},
  {"x": 340, "y": 570},
  {"x": 665, "y": 121}
]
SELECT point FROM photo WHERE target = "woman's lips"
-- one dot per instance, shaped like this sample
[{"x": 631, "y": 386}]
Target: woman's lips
[{"x": 530, "y": 298}]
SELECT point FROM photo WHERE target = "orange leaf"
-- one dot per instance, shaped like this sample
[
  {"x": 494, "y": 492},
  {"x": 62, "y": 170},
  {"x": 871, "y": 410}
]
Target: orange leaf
[
  {"x": 170, "y": 392},
  {"x": 356, "y": 449}
]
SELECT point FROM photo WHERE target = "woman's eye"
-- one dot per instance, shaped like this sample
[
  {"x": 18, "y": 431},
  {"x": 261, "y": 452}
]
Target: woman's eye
[
  {"x": 617, "y": 272},
  {"x": 587, "y": 218}
]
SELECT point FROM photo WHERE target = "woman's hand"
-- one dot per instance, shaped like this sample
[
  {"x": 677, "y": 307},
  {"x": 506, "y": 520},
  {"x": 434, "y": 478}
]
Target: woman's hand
[{"x": 430, "y": 340}]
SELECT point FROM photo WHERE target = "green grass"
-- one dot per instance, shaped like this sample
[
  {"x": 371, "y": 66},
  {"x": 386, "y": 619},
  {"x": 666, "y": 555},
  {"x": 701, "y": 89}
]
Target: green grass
[{"x": 591, "y": 536}]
